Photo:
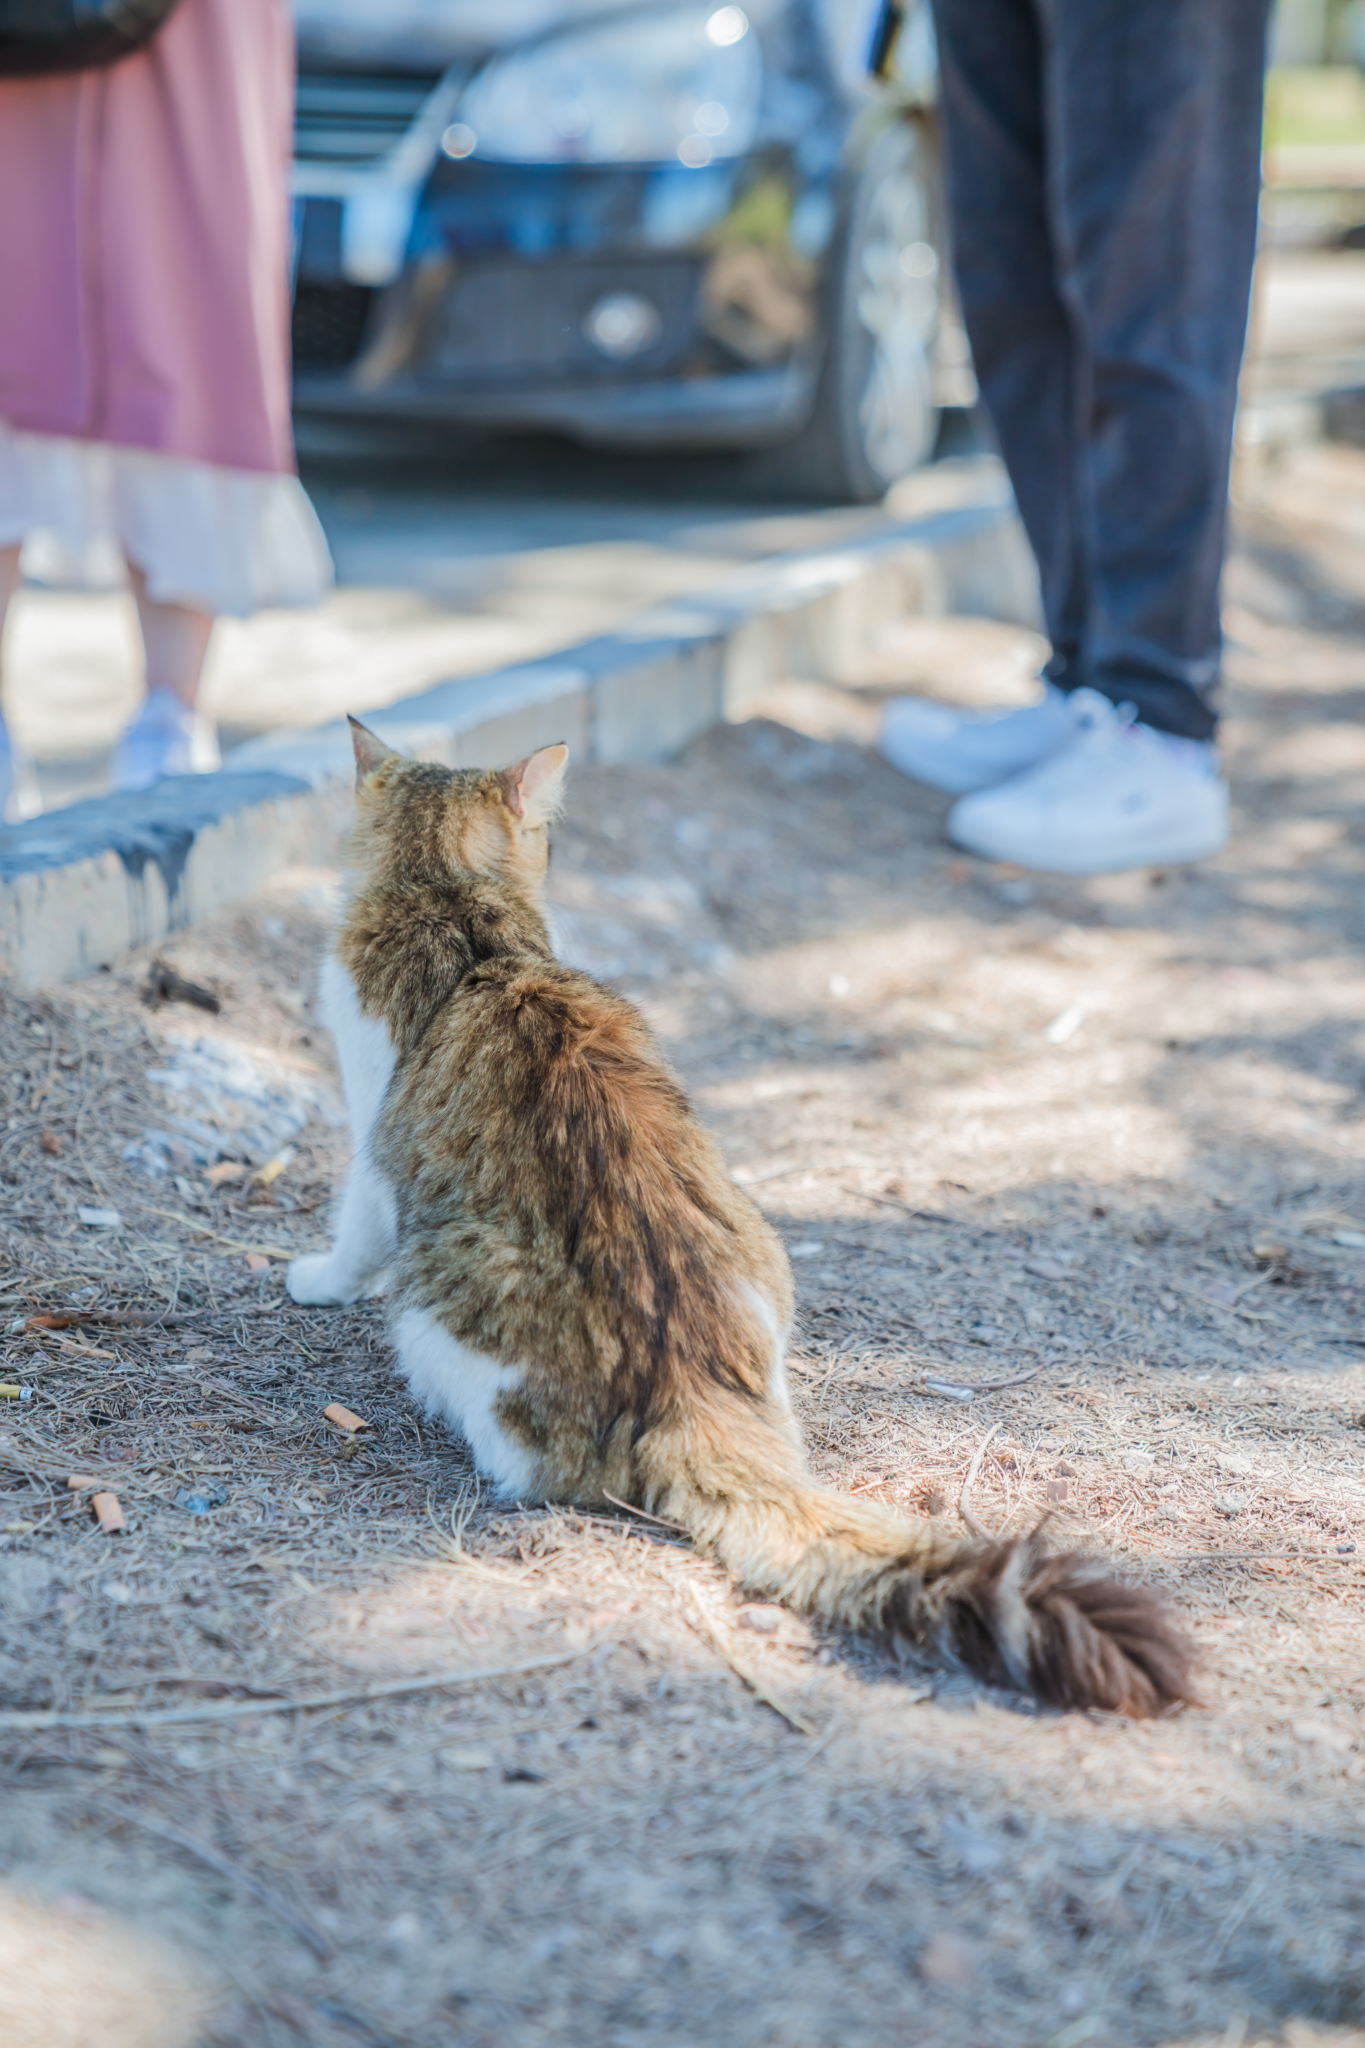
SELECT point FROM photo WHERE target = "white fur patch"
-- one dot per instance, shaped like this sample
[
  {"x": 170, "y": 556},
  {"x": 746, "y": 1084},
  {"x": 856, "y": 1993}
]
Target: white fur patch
[
  {"x": 767, "y": 1316},
  {"x": 462, "y": 1386},
  {"x": 364, "y": 1049},
  {"x": 363, "y": 1241}
]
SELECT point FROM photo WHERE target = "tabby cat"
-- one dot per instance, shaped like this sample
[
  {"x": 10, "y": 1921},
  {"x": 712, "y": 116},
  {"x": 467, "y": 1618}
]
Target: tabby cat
[{"x": 579, "y": 1288}]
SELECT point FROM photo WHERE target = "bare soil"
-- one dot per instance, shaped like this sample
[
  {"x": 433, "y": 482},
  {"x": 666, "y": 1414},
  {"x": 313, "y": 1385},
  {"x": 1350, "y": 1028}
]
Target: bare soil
[{"x": 1100, "y": 1140}]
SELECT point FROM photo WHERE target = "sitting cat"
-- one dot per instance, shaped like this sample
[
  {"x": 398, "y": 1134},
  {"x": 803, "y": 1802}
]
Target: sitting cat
[{"x": 582, "y": 1292}]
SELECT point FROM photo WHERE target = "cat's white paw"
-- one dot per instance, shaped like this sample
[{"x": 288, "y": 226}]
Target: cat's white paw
[{"x": 319, "y": 1282}]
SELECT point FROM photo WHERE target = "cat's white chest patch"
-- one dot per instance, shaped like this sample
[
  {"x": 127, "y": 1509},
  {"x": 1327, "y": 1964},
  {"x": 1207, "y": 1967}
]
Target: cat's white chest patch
[
  {"x": 463, "y": 1386},
  {"x": 364, "y": 1049}
]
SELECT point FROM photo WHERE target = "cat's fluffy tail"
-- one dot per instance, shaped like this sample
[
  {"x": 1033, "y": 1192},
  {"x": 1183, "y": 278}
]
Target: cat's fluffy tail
[{"x": 1054, "y": 1624}]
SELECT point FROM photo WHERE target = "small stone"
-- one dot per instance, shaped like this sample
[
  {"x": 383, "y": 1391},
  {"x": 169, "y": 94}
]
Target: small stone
[
  {"x": 1045, "y": 1269},
  {"x": 1065, "y": 1027},
  {"x": 762, "y": 1621},
  {"x": 201, "y": 1500},
  {"x": 467, "y": 1756},
  {"x": 948, "y": 1959},
  {"x": 1140, "y": 1463},
  {"x": 1324, "y": 1735},
  {"x": 1058, "y": 1489},
  {"x": 404, "y": 1931},
  {"x": 99, "y": 1219},
  {"x": 1230, "y": 1504}
]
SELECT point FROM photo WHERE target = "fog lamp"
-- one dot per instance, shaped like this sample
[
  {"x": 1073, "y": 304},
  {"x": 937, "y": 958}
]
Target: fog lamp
[{"x": 622, "y": 324}]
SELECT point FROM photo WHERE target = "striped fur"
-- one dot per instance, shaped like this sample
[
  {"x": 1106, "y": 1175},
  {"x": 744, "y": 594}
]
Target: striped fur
[{"x": 580, "y": 1288}]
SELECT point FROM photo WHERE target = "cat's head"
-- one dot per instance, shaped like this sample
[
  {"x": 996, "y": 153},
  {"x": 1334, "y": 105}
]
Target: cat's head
[{"x": 415, "y": 817}]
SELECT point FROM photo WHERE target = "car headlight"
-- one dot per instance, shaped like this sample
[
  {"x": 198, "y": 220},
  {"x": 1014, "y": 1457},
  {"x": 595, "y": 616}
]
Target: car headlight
[{"x": 680, "y": 85}]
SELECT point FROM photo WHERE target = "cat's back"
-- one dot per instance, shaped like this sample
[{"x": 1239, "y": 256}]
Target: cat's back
[
  {"x": 539, "y": 1099},
  {"x": 527, "y": 1044}
]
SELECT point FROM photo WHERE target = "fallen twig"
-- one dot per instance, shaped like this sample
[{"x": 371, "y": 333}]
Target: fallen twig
[
  {"x": 745, "y": 1177},
  {"x": 205, "y": 1853},
  {"x": 743, "y": 1672},
  {"x": 890, "y": 1202},
  {"x": 1254, "y": 1556},
  {"x": 234, "y": 1710},
  {"x": 126, "y": 1318},
  {"x": 962, "y": 1390},
  {"x": 267, "y": 1251},
  {"x": 788, "y": 1766},
  {"x": 645, "y": 1516},
  {"x": 964, "y": 1498}
]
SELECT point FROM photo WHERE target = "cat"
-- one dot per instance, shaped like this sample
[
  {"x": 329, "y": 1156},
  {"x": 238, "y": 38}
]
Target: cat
[{"x": 579, "y": 1289}]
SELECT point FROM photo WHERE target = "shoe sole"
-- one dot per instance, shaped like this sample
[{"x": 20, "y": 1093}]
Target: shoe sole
[
  {"x": 1175, "y": 853},
  {"x": 927, "y": 780}
]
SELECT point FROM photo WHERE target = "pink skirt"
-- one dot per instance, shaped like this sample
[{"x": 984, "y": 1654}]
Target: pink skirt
[{"x": 144, "y": 304}]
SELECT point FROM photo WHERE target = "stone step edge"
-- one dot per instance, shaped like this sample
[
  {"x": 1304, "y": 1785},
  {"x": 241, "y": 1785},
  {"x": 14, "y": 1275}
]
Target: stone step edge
[{"x": 81, "y": 887}]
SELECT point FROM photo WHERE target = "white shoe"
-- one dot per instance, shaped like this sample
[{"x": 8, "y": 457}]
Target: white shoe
[
  {"x": 20, "y": 796},
  {"x": 168, "y": 737},
  {"x": 964, "y": 750},
  {"x": 1120, "y": 796}
]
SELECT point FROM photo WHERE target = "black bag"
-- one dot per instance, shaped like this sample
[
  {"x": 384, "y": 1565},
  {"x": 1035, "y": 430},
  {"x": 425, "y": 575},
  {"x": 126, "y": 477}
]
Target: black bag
[{"x": 37, "y": 36}]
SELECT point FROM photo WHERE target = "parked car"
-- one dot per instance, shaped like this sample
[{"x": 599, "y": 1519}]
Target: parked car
[{"x": 683, "y": 224}]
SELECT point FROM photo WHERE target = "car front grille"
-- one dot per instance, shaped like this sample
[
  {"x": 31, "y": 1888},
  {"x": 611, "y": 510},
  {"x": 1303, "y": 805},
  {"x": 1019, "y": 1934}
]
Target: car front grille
[
  {"x": 329, "y": 324},
  {"x": 501, "y": 322},
  {"x": 356, "y": 117}
]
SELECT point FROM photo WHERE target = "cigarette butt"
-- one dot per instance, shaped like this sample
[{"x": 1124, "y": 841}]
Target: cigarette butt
[
  {"x": 108, "y": 1512},
  {"x": 9, "y": 1391},
  {"x": 226, "y": 1169},
  {"x": 344, "y": 1418},
  {"x": 272, "y": 1170},
  {"x": 256, "y": 1262},
  {"x": 80, "y": 1480}
]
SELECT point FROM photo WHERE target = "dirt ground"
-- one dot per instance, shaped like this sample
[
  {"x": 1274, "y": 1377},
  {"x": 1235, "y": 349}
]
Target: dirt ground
[{"x": 1099, "y": 1141}]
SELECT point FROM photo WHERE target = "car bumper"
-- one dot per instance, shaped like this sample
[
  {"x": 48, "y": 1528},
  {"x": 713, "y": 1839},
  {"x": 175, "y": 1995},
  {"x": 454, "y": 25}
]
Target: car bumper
[
  {"x": 750, "y": 409},
  {"x": 490, "y": 322}
]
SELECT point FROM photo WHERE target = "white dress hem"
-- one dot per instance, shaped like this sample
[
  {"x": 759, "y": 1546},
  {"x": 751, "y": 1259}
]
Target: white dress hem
[{"x": 222, "y": 541}]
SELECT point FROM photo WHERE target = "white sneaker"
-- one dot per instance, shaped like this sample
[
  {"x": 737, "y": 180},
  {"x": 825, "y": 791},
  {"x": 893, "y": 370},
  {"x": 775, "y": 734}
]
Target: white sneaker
[
  {"x": 964, "y": 750},
  {"x": 168, "y": 737},
  {"x": 1120, "y": 796},
  {"x": 20, "y": 796}
]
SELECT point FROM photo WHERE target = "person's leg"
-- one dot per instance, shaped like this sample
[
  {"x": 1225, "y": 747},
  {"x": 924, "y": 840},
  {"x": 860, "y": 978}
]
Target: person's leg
[
  {"x": 1153, "y": 119},
  {"x": 991, "y": 65},
  {"x": 9, "y": 580},
  {"x": 169, "y": 736},
  {"x": 19, "y": 794},
  {"x": 175, "y": 639},
  {"x": 991, "y": 59}
]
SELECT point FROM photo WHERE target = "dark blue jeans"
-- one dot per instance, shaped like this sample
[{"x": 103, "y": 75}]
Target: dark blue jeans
[{"x": 1103, "y": 169}]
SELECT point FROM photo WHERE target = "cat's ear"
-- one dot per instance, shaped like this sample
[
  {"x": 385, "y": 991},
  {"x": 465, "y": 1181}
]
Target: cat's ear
[
  {"x": 534, "y": 790},
  {"x": 369, "y": 752}
]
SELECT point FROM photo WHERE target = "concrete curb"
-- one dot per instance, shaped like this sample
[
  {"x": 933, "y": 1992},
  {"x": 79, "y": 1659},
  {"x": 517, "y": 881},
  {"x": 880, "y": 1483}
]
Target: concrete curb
[{"x": 80, "y": 886}]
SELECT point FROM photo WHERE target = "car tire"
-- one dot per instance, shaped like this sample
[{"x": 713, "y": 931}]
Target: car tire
[{"x": 874, "y": 417}]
